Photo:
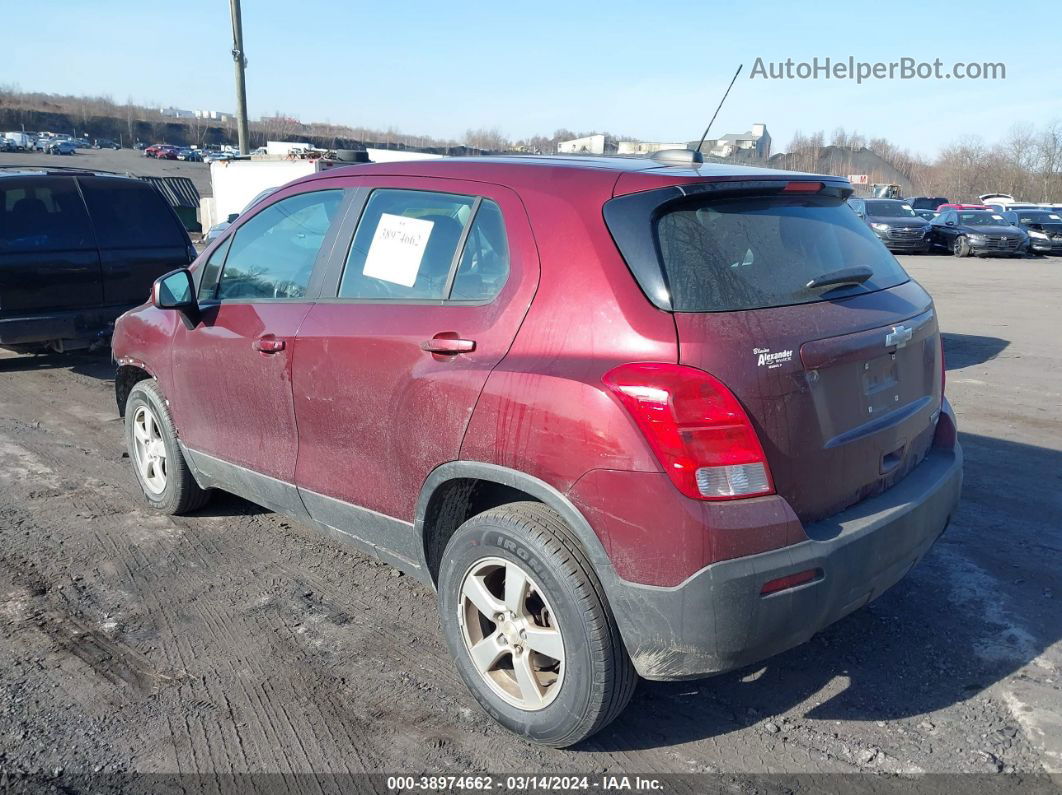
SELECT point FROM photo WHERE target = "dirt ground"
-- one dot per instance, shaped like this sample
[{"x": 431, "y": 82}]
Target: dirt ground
[
  {"x": 236, "y": 640},
  {"x": 122, "y": 161}
]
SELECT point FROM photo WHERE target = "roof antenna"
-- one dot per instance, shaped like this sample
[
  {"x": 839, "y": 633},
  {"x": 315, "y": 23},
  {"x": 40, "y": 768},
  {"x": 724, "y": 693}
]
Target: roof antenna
[{"x": 706, "y": 129}]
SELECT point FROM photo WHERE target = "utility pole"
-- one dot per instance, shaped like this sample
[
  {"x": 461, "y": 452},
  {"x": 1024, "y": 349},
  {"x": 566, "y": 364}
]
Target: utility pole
[{"x": 241, "y": 84}]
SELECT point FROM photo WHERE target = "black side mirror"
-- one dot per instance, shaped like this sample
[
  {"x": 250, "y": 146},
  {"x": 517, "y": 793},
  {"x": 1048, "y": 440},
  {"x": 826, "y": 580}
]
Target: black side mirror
[
  {"x": 949, "y": 223},
  {"x": 176, "y": 290},
  {"x": 233, "y": 217}
]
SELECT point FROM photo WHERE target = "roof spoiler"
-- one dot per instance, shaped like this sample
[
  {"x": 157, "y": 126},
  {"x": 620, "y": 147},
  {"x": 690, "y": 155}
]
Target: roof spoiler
[{"x": 678, "y": 157}]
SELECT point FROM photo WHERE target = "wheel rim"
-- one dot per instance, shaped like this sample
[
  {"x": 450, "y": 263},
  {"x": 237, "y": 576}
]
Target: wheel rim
[
  {"x": 149, "y": 450},
  {"x": 511, "y": 634},
  {"x": 957, "y": 247}
]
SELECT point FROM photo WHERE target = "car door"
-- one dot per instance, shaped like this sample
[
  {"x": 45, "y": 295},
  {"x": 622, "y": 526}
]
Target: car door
[
  {"x": 944, "y": 231},
  {"x": 426, "y": 297},
  {"x": 139, "y": 235},
  {"x": 231, "y": 370},
  {"x": 48, "y": 255}
]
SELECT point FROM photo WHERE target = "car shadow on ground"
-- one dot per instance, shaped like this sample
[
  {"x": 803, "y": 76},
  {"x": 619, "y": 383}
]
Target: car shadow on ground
[
  {"x": 223, "y": 504},
  {"x": 94, "y": 364},
  {"x": 964, "y": 350},
  {"x": 966, "y": 617}
]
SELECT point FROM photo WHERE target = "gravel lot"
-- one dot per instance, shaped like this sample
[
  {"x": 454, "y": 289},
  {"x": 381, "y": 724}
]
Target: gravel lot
[{"x": 236, "y": 640}]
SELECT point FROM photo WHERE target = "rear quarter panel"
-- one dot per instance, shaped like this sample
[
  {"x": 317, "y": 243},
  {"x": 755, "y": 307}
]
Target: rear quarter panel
[{"x": 544, "y": 410}]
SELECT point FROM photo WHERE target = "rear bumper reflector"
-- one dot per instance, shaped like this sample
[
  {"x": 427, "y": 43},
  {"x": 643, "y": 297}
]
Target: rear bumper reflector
[{"x": 790, "y": 581}]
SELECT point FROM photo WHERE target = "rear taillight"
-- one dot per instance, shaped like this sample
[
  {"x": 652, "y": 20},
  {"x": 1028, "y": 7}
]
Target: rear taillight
[
  {"x": 943, "y": 368},
  {"x": 697, "y": 429}
]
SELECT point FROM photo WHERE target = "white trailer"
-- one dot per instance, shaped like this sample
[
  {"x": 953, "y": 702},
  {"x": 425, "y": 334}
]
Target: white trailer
[
  {"x": 235, "y": 182},
  {"x": 23, "y": 141}
]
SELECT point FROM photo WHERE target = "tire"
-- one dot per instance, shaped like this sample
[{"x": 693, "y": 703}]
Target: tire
[
  {"x": 562, "y": 606},
  {"x": 158, "y": 463},
  {"x": 961, "y": 247}
]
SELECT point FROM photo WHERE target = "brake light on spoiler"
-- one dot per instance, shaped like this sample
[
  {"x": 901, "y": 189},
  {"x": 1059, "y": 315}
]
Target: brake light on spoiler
[{"x": 802, "y": 187}]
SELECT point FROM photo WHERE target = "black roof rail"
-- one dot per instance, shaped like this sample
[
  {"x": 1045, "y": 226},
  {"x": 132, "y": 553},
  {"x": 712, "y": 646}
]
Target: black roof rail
[{"x": 63, "y": 170}]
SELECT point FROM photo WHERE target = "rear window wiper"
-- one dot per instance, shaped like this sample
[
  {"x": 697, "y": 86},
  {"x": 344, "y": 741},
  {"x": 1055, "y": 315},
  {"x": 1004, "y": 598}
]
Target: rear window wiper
[{"x": 854, "y": 275}]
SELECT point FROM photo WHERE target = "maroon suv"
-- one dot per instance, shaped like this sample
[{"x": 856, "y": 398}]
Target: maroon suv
[{"x": 627, "y": 416}]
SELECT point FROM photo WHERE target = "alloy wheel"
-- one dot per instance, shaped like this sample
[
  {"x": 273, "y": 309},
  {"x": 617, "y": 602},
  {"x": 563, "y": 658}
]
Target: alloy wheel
[
  {"x": 511, "y": 633},
  {"x": 149, "y": 450}
]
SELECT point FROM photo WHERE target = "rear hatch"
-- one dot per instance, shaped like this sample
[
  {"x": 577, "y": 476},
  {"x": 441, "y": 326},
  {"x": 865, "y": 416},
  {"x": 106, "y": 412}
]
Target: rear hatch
[
  {"x": 140, "y": 236},
  {"x": 842, "y": 382}
]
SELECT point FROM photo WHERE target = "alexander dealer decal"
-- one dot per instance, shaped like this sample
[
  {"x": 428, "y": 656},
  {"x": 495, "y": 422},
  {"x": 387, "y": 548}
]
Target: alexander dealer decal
[{"x": 764, "y": 357}]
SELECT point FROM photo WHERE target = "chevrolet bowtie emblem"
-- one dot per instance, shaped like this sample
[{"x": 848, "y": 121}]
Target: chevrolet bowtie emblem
[{"x": 899, "y": 336}]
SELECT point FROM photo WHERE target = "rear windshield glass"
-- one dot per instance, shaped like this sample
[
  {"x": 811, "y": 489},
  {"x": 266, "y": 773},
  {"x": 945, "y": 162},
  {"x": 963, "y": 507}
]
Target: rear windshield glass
[
  {"x": 130, "y": 214},
  {"x": 754, "y": 252}
]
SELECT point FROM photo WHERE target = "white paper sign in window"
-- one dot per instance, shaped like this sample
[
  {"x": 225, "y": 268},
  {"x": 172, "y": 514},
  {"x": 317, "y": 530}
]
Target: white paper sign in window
[{"x": 397, "y": 249}]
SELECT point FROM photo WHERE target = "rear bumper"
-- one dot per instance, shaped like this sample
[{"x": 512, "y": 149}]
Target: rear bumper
[
  {"x": 717, "y": 620},
  {"x": 64, "y": 324}
]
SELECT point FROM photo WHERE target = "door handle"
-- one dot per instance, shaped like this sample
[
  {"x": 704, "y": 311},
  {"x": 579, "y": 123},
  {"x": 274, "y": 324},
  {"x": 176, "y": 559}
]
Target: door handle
[
  {"x": 268, "y": 345},
  {"x": 448, "y": 345}
]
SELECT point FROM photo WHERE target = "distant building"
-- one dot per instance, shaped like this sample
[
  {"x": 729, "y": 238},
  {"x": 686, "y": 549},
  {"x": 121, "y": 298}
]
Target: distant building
[
  {"x": 590, "y": 145},
  {"x": 177, "y": 113},
  {"x": 213, "y": 115},
  {"x": 644, "y": 147},
  {"x": 756, "y": 141}
]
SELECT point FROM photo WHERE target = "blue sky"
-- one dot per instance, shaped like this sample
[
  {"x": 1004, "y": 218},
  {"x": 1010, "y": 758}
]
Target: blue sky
[{"x": 532, "y": 68}]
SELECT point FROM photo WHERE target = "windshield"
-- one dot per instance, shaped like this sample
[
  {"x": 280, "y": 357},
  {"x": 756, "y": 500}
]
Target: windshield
[
  {"x": 890, "y": 210},
  {"x": 1039, "y": 218},
  {"x": 749, "y": 253},
  {"x": 981, "y": 218}
]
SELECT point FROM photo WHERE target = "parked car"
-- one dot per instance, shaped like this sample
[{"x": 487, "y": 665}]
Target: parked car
[
  {"x": 214, "y": 157},
  {"x": 1003, "y": 209},
  {"x": 151, "y": 151},
  {"x": 550, "y": 389},
  {"x": 58, "y": 147},
  {"x": 1043, "y": 227},
  {"x": 221, "y": 226},
  {"x": 77, "y": 250},
  {"x": 926, "y": 202},
  {"x": 106, "y": 143},
  {"x": 953, "y": 206},
  {"x": 996, "y": 198},
  {"x": 190, "y": 155},
  {"x": 898, "y": 226},
  {"x": 166, "y": 152},
  {"x": 977, "y": 232}
]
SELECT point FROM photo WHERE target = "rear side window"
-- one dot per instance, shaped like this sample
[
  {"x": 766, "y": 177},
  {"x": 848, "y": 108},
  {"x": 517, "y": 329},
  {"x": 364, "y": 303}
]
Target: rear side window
[
  {"x": 130, "y": 214},
  {"x": 272, "y": 255},
  {"x": 484, "y": 263},
  {"x": 405, "y": 245},
  {"x": 754, "y": 252},
  {"x": 42, "y": 215}
]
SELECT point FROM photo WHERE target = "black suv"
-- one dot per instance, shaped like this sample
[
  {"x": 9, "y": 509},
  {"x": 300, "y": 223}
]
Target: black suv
[
  {"x": 77, "y": 249},
  {"x": 927, "y": 202},
  {"x": 898, "y": 226}
]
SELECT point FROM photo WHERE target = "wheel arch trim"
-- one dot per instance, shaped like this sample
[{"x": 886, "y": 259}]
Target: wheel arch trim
[{"x": 503, "y": 476}]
